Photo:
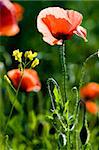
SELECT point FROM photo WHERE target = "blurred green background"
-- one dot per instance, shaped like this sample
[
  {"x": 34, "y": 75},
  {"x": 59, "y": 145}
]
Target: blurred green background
[{"x": 28, "y": 132}]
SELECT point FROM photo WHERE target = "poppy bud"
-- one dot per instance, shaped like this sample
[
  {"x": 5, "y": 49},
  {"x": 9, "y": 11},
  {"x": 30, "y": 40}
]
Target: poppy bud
[
  {"x": 83, "y": 134},
  {"x": 52, "y": 131}
]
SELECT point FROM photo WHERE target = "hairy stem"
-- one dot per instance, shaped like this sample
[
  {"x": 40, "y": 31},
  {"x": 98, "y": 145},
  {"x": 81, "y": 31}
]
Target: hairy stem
[
  {"x": 65, "y": 77},
  {"x": 64, "y": 71},
  {"x": 76, "y": 114},
  {"x": 84, "y": 69}
]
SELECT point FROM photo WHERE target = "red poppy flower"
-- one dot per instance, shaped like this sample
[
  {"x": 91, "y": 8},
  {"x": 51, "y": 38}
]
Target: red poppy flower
[
  {"x": 57, "y": 25},
  {"x": 8, "y": 18},
  {"x": 89, "y": 91},
  {"x": 30, "y": 80},
  {"x": 92, "y": 107}
]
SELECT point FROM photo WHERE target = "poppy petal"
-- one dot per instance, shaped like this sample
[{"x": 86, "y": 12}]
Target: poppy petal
[
  {"x": 19, "y": 11},
  {"x": 75, "y": 18},
  {"x": 8, "y": 24},
  {"x": 30, "y": 81},
  {"x": 92, "y": 107},
  {"x": 15, "y": 77},
  {"x": 80, "y": 31},
  {"x": 89, "y": 91}
]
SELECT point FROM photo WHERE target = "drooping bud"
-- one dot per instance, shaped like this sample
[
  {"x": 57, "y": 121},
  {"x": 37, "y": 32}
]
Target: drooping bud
[{"x": 83, "y": 134}]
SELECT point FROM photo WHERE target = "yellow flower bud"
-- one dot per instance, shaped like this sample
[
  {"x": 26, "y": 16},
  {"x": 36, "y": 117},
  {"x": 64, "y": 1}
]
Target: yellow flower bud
[
  {"x": 35, "y": 63},
  {"x": 27, "y": 53},
  {"x": 30, "y": 55},
  {"x": 35, "y": 54}
]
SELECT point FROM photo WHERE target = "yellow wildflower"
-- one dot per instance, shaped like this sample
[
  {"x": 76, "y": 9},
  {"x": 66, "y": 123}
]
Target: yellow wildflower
[
  {"x": 27, "y": 53},
  {"x": 17, "y": 55},
  {"x": 35, "y": 63},
  {"x": 30, "y": 55},
  {"x": 35, "y": 54}
]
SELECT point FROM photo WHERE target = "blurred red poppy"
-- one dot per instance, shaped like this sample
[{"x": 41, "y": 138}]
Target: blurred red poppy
[
  {"x": 19, "y": 11},
  {"x": 9, "y": 15},
  {"x": 89, "y": 91},
  {"x": 92, "y": 107},
  {"x": 57, "y": 25},
  {"x": 30, "y": 80}
]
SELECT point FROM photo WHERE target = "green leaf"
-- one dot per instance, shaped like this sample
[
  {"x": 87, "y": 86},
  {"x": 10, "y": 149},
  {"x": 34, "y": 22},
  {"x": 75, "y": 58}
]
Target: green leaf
[
  {"x": 4, "y": 145},
  {"x": 66, "y": 107},
  {"x": 32, "y": 120},
  {"x": 57, "y": 95},
  {"x": 13, "y": 100},
  {"x": 15, "y": 123},
  {"x": 50, "y": 117}
]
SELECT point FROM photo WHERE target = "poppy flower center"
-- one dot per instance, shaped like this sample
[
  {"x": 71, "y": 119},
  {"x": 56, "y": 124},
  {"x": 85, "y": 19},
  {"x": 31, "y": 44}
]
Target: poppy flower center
[
  {"x": 62, "y": 36},
  {"x": 60, "y": 28}
]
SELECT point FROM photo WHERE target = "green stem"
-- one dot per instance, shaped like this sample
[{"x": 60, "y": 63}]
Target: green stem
[
  {"x": 65, "y": 77},
  {"x": 27, "y": 63},
  {"x": 76, "y": 114},
  {"x": 68, "y": 133},
  {"x": 65, "y": 91},
  {"x": 14, "y": 101},
  {"x": 84, "y": 68},
  {"x": 13, "y": 88},
  {"x": 77, "y": 133},
  {"x": 64, "y": 69}
]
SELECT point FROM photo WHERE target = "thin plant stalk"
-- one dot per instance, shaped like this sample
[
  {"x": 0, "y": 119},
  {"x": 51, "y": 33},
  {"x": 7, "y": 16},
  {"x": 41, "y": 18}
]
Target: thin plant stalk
[
  {"x": 84, "y": 69},
  {"x": 76, "y": 114},
  {"x": 68, "y": 133},
  {"x": 64, "y": 69},
  {"x": 17, "y": 91},
  {"x": 65, "y": 90},
  {"x": 50, "y": 93},
  {"x": 77, "y": 142}
]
